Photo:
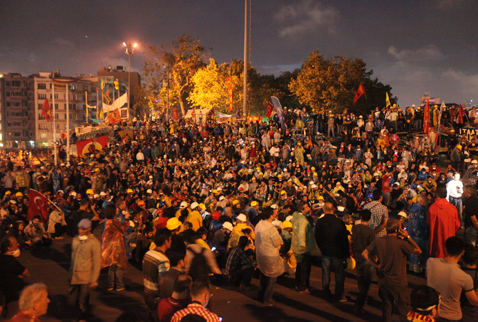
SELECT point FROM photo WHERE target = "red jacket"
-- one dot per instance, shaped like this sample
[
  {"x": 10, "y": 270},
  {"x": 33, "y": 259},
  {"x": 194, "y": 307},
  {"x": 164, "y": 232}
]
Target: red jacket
[{"x": 444, "y": 222}]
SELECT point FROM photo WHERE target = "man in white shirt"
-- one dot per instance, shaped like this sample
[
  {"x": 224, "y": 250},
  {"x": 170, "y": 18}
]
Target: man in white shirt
[{"x": 454, "y": 192}]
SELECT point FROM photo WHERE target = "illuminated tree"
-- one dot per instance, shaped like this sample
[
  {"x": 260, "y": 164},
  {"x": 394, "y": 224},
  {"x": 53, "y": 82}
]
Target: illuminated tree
[{"x": 175, "y": 64}]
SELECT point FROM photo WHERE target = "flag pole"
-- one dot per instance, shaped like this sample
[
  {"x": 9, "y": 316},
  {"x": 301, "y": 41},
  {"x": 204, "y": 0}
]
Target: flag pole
[
  {"x": 86, "y": 100},
  {"x": 54, "y": 124},
  {"x": 67, "y": 123},
  {"x": 97, "y": 100}
]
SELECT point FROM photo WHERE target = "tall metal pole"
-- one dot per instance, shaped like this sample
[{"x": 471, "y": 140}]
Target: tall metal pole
[
  {"x": 54, "y": 124},
  {"x": 246, "y": 53},
  {"x": 129, "y": 81},
  {"x": 67, "y": 123}
]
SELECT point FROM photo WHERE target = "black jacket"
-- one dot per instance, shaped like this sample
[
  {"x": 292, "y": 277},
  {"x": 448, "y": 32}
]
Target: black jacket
[{"x": 332, "y": 237}]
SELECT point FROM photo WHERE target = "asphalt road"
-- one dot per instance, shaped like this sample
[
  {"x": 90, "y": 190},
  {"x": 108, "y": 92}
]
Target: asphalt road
[{"x": 50, "y": 266}]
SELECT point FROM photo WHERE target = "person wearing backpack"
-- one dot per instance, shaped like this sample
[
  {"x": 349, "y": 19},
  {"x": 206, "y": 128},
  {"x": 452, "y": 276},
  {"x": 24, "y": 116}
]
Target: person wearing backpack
[{"x": 200, "y": 262}]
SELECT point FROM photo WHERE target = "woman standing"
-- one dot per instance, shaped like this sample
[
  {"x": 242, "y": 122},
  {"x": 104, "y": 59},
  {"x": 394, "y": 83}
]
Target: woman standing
[{"x": 113, "y": 251}]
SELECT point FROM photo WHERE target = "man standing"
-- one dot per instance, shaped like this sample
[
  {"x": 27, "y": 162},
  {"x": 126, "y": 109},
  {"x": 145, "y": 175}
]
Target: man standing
[
  {"x": 303, "y": 244},
  {"x": 443, "y": 220},
  {"x": 11, "y": 272},
  {"x": 469, "y": 212},
  {"x": 386, "y": 184},
  {"x": 445, "y": 275},
  {"x": 155, "y": 263},
  {"x": 85, "y": 264},
  {"x": 332, "y": 238},
  {"x": 389, "y": 256},
  {"x": 362, "y": 236},
  {"x": 454, "y": 192},
  {"x": 271, "y": 265},
  {"x": 379, "y": 218},
  {"x": 418, "y": 230},
  {"x": 200, "y": 295}
]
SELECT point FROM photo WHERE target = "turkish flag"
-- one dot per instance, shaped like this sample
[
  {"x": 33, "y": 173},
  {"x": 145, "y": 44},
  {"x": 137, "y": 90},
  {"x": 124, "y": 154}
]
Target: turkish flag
[
  {"x": 269, "y": 110},
  {"x": 360, "y": 92},
  {"x": 46, "y": 110},
  {"x": 37, "y": 205},
  {"x": 175, "y": 113},
  {"x": 426, "y": 118}
]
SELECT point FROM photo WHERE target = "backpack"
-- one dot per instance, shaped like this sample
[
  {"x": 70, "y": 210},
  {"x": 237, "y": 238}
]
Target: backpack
[{"x": 199, "y": 270}]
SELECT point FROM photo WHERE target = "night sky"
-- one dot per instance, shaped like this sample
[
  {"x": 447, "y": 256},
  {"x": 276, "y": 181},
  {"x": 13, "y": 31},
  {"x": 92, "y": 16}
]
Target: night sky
[{"x": 412, "y": 45}]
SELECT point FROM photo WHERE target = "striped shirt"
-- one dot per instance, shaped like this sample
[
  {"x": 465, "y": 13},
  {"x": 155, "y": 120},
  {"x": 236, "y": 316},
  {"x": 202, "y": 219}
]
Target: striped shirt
[
  {"x": 155, "y": 264},
  {"x": 197, "y": 309},
  {"x": 379, "y": 213}
]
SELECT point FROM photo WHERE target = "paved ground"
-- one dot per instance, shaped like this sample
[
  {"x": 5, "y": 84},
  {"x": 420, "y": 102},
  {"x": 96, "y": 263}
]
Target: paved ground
[{"x": 50, "y": 266}]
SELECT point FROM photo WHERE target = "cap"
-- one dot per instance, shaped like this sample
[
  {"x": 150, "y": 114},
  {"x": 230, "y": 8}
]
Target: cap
[
  {"x": 173, "y": 223},
  {"x": 242, "y": 218},
  {"x": 227, "y": 225},
  {"x": 183, "y": 205},
  {"x": 84, "y": 223},
  {"x": 194, "y": 205},
  {"x": 235, "y": 202},
  {"x": 141, "y": 203},
  {"x": 283, "y": 192},
  {"x": 129, "y": 191},
  {"x": 102, "y": 193},
  {"x": 286, "y": 224},
  {"x": 402, "y": 214}
]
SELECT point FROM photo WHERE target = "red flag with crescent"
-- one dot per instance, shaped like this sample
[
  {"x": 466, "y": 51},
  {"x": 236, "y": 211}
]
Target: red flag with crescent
[
  {"x": 426, "y": 118},
  {"x": 359, "y": 93},
  {"x": 269, "y": 110},
  {"x": 37, "y": 205},
  {"x": 175, "y": 113},
  {"x": 229, "y": 92},
  {"x": 46, "y": 110}
]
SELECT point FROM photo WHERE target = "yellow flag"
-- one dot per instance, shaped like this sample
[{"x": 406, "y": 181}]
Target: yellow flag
[
  {"x": 116, "y": 84},
  {"x": 101, "y": 115},
  {"x": 102, "y": 85},
  {"x": 387, "y": 100}
]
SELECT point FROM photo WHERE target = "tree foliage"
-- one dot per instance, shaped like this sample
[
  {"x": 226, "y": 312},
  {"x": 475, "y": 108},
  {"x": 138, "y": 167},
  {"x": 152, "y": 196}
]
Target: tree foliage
[
  {"x": 331, "y": 84},
  {"x": 175, "y": 64}
]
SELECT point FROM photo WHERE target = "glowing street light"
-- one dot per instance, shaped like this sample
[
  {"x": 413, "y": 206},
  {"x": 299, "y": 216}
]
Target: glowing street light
[{"x": 129, "y": 51}]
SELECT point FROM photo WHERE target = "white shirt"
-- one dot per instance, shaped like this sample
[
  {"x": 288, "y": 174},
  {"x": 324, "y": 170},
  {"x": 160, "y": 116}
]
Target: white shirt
[{"x": 454, "y": 189}]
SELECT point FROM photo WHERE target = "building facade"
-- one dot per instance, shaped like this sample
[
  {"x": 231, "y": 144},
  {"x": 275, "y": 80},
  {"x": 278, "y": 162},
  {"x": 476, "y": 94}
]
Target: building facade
[
  {"x": 17, "y": 119},
  {"x": 78, "y": 91}
]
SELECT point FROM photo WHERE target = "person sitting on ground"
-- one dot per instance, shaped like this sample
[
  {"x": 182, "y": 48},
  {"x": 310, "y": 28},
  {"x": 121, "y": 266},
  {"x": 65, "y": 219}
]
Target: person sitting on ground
[
  {"x": 425, "y": 302},
  {"x": 35, "y": 232},
  {"x": 178, "y": 300},
  {"x": 239, "y": 266}
]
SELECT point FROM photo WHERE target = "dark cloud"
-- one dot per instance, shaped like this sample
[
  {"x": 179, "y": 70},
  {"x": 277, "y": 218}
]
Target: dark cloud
[{"x": 414, "y": 46}]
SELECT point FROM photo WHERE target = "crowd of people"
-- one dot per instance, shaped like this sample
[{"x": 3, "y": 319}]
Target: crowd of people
[{"x": 192, "y": 202}]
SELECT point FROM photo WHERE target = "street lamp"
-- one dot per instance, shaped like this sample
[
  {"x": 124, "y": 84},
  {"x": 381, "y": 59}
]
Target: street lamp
[{"x": 129, "y": 51}]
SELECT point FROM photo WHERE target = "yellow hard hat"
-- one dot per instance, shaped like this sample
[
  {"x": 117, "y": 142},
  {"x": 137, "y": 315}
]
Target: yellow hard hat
[
  {"x": 459, "y": 146},
  {"x": 8, "y": 193},
  {"x": 173, "y": 223},
  {"x": 19, "y": 194},
  {"x": 235, "y": 202},
  {"x": 254, "y": 203},
  {"x": 90, "y": 192},
  {"x": 283, "y": 192},
  {"x": 202, "y": 206},
  {"x": 129, "y": 191},
  {"x": 286, "y": 224}
]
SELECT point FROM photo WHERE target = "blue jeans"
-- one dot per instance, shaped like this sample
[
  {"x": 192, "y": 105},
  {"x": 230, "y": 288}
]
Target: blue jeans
[{"x": 339, "y": 276}]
